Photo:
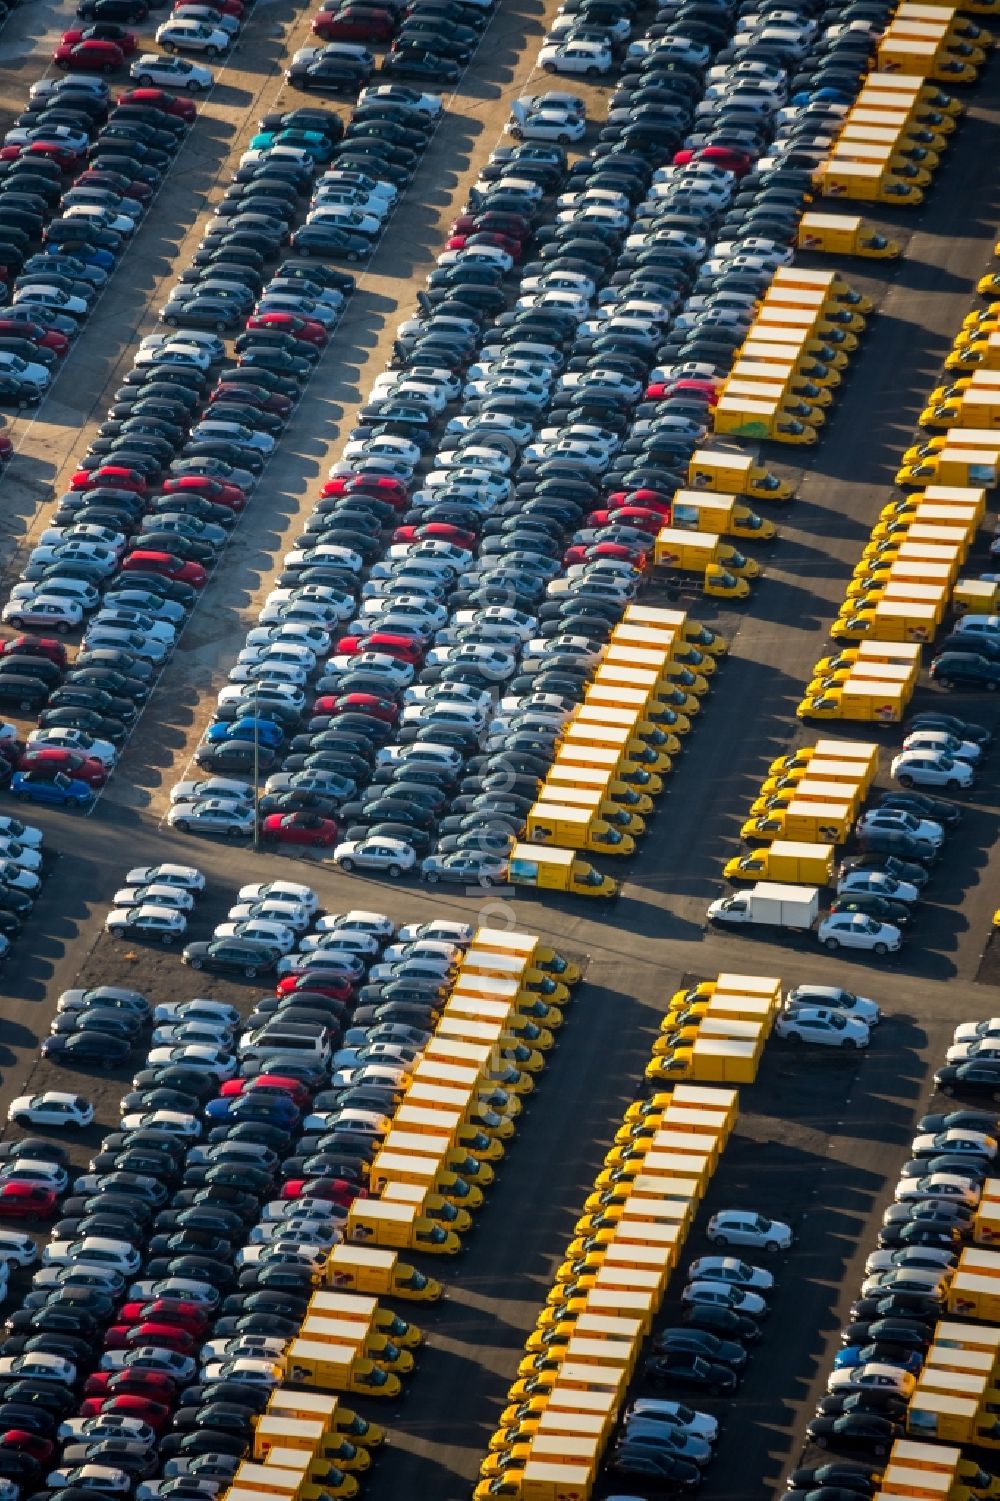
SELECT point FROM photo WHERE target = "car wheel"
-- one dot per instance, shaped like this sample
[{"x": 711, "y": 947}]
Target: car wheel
[
  {"x": 905, "y": 780},
  {"x": 303, "y": 250},
  {"x": 945, "y": 682},
  {"x": 719, "y": 1240},
  {"x": 593, "y": 73},
  {"x": 394, "y": 871},
  {"x": 772, "y": 1246},
  {"x": 879, "y": 948},
  {"x": 183, "y": 825},
  {"x": 193, "y": 86},
  {"x": 515, "y": 132},
  {"x": 221, "y": 326},
  {"x": 432, "y": 878},
  {"x": 848, "y": 1043},
  {"x": 171, "y": 322},
  {"x": 949, "y": 1090},
  {"x": 879, "y": 1449},
  {"x": 549, "y": 67},
  {"x": 166, "y": 939},
  {"x": 953, "y": 786},
  {"x": 346, "y": 864},
  {"x": 26, "y": 705},
  {"x": 108, "y": 68},
  {"x": 22, "y": 1120},
  {"x": 211, "y": 51},
  {"x": 251, "y": 971},
  {"x": 196, "y": 963},
  {"x": 991, "y": 687},
  {"x": 145, "y": 82},
  {"x": 832, "y": 944},
  {"x": 821, "y": 1442}
]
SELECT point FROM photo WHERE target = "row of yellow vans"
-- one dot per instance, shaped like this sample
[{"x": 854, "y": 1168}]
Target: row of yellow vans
[
  {"x": 616, "y": 750},
  {"x": 814, "y": 804},
  {"x": 580, "y": 1358},
  {"x": 898, "y": 113},
  {"x": 934, "y": 1472},
  {"x": 716, "y": 1031},
  {"x": 784, "y": 373},
  {"x": 647, "y": 732},
  {"x": 306, "y": 1447}
]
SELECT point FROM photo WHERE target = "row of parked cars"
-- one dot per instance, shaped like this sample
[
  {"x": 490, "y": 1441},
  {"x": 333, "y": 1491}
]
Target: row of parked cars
[
  {"x": 431, "y": 42},
  {"x": 77, "y": 172},
  {"x": 184, "y": 1259},
  {"x": 155, "y": 500},
  {"x": 22, "y": 871},
  {"x": 555, "y": 351}
]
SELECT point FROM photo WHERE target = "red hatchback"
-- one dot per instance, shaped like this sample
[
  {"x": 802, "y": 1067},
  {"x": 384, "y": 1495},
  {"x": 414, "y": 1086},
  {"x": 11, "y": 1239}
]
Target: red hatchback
[
  {"x": 89, "y": 57},
  {"x": 216, "y": 490},
  {"x": 436, "y": 531},
  {"x": 156, "y": 1414},
  {"x": 153, "y": 1385},
  {"x": 65, "y": 763},
  {"x": 19, "y": 1439},
  {"x": 646, "y": 521},
  {"x": 118, "y": 475},
  {"x": 332, "y": 986},
  {"x": 102, "y": 31},
  {"x": 35, "y": 646},
  {"x": 46, "y": 338},
  {"x": 268, "y": 1084},
  {"x": 178, "y": 1311},
  {"x": 355, "y": 23},
  {"x": 360, "y": 703},
  {"x": 255, "y": 396},
  {"x": 160, "y": 99},
  {"x": 403, "y": 648},
  {"x": 27, "y": 1201},
  {"x": 166, "y": 563},
  {"x": 306, "y": 330},
  {"x": 334, "y": 1190},
  {"x": 381, "y": 486},
  {"x": 299, "y": 828}
]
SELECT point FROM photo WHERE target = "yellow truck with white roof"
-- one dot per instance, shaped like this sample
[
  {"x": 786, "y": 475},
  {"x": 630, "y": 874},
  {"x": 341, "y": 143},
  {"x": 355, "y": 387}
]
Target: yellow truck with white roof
[
  {"x": 375, "y": 1222},
  {"x": 691, "y": 630},
  {"x": 814, "y": 822},
  {"x": 888, "y": 620},
  {"x": 744, "y": 418},
  {"x": 809, "y": 790},
  {"x": 783, "y": 376},
  {"x": 769, "y": 393},
  {"x": 867, "y": 700},
  {"x": 844, "y": 234},
  {"x": 723, "y": 569},
  {"x": 575, "y": 828},
  {"x": 692, "y": 510},
  {"x": 973, "y": 596},
  {"x": 368, "y": 1270},
  {"x": 604, "y": 783},
  {"x": 977, "y": 407},
  {"x": 597, "y": 804},
  {"x": 980, "y": 354},
  {"x": 865, "y": 182},
  {"x": 557, "y": 870},
  {"x": 786, "y": 860},
  {"x": 952, "y": 466},
  {"x": 727, "y": 469},
  {"x": 338, "y": 1368},
  {"x": 830, "y": 283}
]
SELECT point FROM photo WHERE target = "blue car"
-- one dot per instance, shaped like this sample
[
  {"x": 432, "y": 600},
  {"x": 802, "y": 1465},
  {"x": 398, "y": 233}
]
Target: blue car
[
  {"x": 90, "y": 255},
  {"x": 887, "y": 1354},
  {"x": 228, "y": 1108},
  {"x": 265, "y": 730},
  {"x": 59, "y": 791}
]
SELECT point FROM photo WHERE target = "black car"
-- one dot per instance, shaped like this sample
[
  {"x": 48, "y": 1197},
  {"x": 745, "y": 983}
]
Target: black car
[
  {"x": 87, "y": 1047},
  {"x": 969, "y": 669},
  {"x": 884, "y": 909},
  {"x": 906, "y": 1334},
  {"x": 979, "y": 1078},
  {"x": 882, "y": 841},
  {"x": 861, "y": 1480},
  {"x": 864, "y": 1433},
  {"x": 229, "y": 956},
  {"x": 891, "y": 865},
  {"x": 701, "y": 1342},
  {"x": 686, "y": 1372},
  {"x": 963, "y": 729}
]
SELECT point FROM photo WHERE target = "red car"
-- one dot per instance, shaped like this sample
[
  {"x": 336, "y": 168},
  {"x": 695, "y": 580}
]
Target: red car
[
  {"x": 166, "y": 563},
  {"x": 334, "y": 1190},
  {"x": 726, "y": 157},
  {"x": 156, "y": 1414},
  {"x": 269, "y": 1084},
  {"x": 160, "y": 99},
  {"x": 382, "y": 486},
  {"x": 152, "y": 1384},
  {"x": 47, "y": 338},
  {"x": 36, "y": 646},
  {"x": 177, "y": 1311},
  {"x": 646, "y": 521},
  {"x": 618, "y": 551},
  {"x": 336, "y": 989},
  {"x": 69, "y": 763},
  {"x": 63, "y": 156},
  {"x": 361, "y": 703},
  {"x": 218, "y": 491},
  {"x": 486, "y": 237},
  {"x": 27, "y": 1201},
  {"x": 436, "y": 531},
  {"x": 115, "y": 182},
  {"x": 403, "y": 648},
  {"x": 19, "y": 1439},
  {"x": 354, "y": 23},
  {"x": 306, "y": 330},
  {"x": 642, "y": 497},
  {"x": 89, "y": 57},
  {"x": 118, "y": 475},
  {"x": 256, "y": 396},
  {"x": 299, "y": 828},
  {"x": 101, "y": 31}
]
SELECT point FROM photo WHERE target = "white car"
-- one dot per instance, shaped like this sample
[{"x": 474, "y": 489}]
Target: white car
[
  {"x": 270, "y": 935},
  {"x": 955, "y": 1140},
  {"x": 591, "y": 59},
  {"x": 853, "y": 930},
  {"x": 24, "y": 856},
  {"x": 874, "y": 1374},
  {"x": 722, "y": 1295},
  {"x": 877, "y": 883},
  {"x": 836, "y": 999},
  {"x": 941, "y": 741},
  {"x": 192, "y": 36},
  {"x": 948, "y": 1186},
  {"x": 213, "y": 815},
  {"x": 439, "y": 928},
  {"x": 263, "y": 1373},
  {"x": 745, "y": 1227},
  {"x": 545, "y": 125},
  {"x": 156, "y": 895},
  {"x": 151, "y": 70},
  {"x": 926, "y": 768},
  {"x": 676, "y": 1415},
  {"x": 146, "y": 921},
  {"x": 967, "y": 1032},
  {"x": 25, "y": 833},
  {"x": 731, "y": 1270},
  {"x": 986, "y": 1046},
  {"x": 194, "y": 12},
  {"x": 819, "y": 1024},
  {"x": 225, "y": 787},
  {"x": 177, "y": 1012},
  {"x": 74, "y": 740},
  {"x": 170, "y": 1122},
  {"x": 94, "y": 1250},
  {"x": 392, "y": 856},
  {"x": 185, "y": 876},
  {"x": 53, "y": 1108},
  {"x": 282, "y": 891},
  {"x": 289, "y": 914},
  {"x": 213, "y": 1060},
  {"x": 45, "y": 611},
  {"x": 181, "y": 1368},
  {"x": 426, "y": 104},
  {"x": 17, "y": 1249}
]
